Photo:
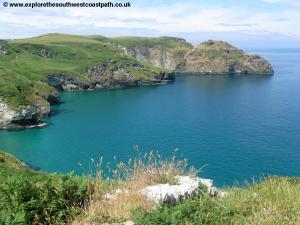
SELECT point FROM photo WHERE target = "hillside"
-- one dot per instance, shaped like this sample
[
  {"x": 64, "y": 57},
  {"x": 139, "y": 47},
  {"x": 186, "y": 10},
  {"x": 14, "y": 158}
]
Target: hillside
[
  {"x": 33, "y": 70},
  {"x": 31, "y": 197}
]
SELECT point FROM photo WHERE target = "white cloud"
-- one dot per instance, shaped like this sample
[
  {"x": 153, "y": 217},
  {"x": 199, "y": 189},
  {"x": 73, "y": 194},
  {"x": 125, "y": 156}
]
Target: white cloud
[
  {"x": 176, "y": 17},
  {"x": 288, "y": 2}
]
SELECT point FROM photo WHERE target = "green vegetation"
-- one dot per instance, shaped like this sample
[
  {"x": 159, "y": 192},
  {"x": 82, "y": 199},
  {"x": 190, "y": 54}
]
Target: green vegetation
[
  {"x": 275, "y": 201},
  {"x": 27, "y": 63},
  {"x": 29, "y": 197},
  {"x": 171, "y": 44},
  {"x": 219, "y": 49}
]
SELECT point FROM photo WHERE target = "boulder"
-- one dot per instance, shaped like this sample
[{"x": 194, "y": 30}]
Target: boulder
[{"x": 185, "y": 188}]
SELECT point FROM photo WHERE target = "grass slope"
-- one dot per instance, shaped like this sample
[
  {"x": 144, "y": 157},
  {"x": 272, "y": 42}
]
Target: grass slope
[
  {"x": 30, "y": 197},
  {"x": 275, "y": 201},
  {"x": 171, "y": 44},
  {"x": 24, "y": 69}
]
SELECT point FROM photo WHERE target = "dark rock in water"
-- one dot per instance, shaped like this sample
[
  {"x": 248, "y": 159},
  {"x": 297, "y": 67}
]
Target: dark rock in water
[
  {"x": 53, "y": 99},
  {"x": 163, "y": 76}
]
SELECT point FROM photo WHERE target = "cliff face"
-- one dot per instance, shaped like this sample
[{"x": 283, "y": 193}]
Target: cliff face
[
  {"x": 107, "y": 76},
  {"x": 217, "y": 57},
  {"x": 23, "y": 116},
  {"x": 164, "y": 52},
  {"x": 154, "y": 56}
]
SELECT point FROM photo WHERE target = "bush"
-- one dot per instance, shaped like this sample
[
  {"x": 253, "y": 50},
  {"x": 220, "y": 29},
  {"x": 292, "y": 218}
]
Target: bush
[{"x": 29, "y": 197}]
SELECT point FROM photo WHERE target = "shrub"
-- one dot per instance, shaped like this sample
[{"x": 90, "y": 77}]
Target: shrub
[{"x": 29, "y": 197}]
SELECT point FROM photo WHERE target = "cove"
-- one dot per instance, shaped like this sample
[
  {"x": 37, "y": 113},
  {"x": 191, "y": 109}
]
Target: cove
[{"x": 233, "y": 127}]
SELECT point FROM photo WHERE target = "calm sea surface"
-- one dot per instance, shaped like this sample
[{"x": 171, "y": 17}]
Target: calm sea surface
[{"x": 233, "y": 127}]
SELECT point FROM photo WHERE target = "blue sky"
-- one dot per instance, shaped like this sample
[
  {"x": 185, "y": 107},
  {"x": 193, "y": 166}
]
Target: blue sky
[{"x": 253, "y": 23}]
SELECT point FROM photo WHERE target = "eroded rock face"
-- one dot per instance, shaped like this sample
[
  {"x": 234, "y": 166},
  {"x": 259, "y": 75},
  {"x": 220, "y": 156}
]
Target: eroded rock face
[
  {"x": 113, "y": 76},
  {"x": 6, "y": 115},
  {"x": 108, "y": 75},
  {"x": 218, "y": 57},
  {"x": 65, "y": 82},
  {"x": 23, "y": 116},
  {"x": 154, "y": 56}
]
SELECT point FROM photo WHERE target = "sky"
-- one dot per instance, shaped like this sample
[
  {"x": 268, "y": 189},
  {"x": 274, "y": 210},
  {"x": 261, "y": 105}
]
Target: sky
[{"x": 247, "y": 23}]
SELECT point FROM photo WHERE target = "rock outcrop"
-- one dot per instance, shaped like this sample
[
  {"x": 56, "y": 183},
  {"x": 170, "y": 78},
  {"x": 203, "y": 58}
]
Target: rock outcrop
[
  {"x": 218, "y": 57},
  {"x": 67, "y": 82},
  {"x": 23, "y": 116},
  {"x": 185, "y": 188},
  {"x": 164, "y": 52},
  {"x": 114, "y": 75},
  {"x": 3, "y": 50},
  {"x": 108, "y": 75},
  {"x": 43, "y": 52},
  {"x": 155, "y": 56}
]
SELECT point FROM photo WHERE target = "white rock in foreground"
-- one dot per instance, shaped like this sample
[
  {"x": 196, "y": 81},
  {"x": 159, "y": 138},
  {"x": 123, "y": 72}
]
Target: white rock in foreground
[{"x": 187, "y": 187}]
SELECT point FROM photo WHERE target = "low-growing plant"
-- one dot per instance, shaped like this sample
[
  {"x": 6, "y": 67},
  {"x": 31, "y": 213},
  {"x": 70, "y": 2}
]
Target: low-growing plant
[{"x": 29, "y": 197}]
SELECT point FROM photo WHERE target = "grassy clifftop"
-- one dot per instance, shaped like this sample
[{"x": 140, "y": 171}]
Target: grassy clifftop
[
  {"x": 26, "y": 63},
  {"x": 30, "y": 197},
  {"x": 172, "y": 44}
]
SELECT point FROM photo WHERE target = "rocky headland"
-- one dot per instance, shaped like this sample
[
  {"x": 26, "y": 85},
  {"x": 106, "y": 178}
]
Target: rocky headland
[{"x": 218, "y": 57}]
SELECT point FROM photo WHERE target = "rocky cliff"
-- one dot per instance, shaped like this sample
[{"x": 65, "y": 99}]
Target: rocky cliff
[
  {"x": 164, "y": 52},
  {"x": 154, "y": 56},
  {"x": 24, "y": 116},
  {"x": 218, "y": 57}
]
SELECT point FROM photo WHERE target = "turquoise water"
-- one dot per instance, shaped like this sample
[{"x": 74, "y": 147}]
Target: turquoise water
[{"x": 235, "y": 127}]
